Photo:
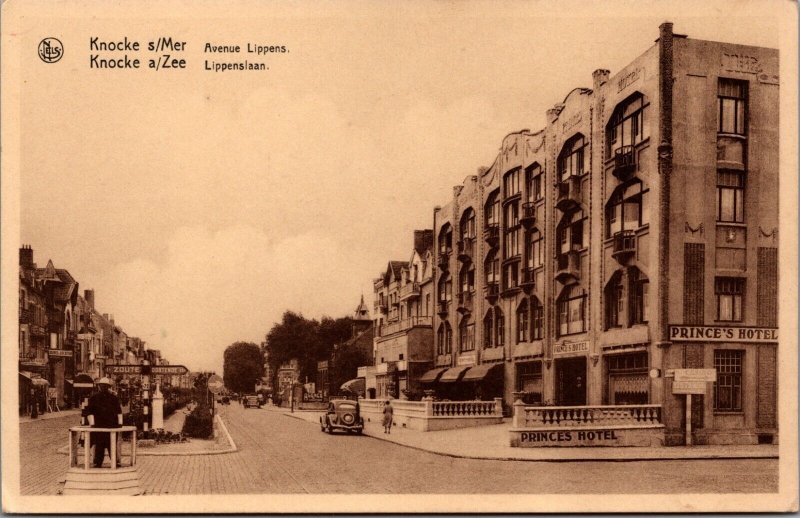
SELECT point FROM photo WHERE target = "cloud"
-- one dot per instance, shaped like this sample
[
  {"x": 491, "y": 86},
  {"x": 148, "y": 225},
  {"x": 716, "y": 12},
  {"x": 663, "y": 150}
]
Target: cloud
[{"x": 215, "y": 288}]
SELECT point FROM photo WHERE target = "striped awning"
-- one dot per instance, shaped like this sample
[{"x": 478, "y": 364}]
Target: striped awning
[
  {"x": 453, "y": 374},
  {"x": 432, "y": 375},
  {"x": 479, "y": 372}
]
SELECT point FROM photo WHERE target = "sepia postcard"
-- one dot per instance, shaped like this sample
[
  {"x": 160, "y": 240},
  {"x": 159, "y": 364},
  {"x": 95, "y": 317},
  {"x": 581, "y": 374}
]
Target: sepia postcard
[{"x": 399, "y": 257}]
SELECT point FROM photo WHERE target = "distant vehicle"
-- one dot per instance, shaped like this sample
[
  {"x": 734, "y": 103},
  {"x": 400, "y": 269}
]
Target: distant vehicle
[
  {"x": 252, "y": 402},
  {"x": 342, "y": 414}
]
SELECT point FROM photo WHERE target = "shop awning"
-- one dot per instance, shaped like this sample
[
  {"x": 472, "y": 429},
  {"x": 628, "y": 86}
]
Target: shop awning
[
  {"x": 83, "y": 381},
  {"x": 452, "y": 374},
  {"x": 27, "y": 375},
  {"x": 480, "y": 372},
  {"x": 432, "y": 375},
  {"x": 355, "y": 386}
]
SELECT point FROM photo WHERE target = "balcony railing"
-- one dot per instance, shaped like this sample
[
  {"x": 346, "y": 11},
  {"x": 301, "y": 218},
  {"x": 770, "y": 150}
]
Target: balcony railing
[
  {"x": 465, "y": 302},
  {"x": 628, "y": 416},
  {"x": 491, "y": 234},
  {"x": 404, "y": 325},
  {"x": 528, "y": 218},
  {"x": 568, "y": 266},
  {"x": 409, "y": 291},
  {"x": 528, "y": 279},
  {"x": 568, "y": 194},
  {"x": 443, "y": 261},
  {"x": 466, "y": 249},
  {"x": 492, "y": 290},
  {"x": 624, "y": 163},
  {"x": 624, "y": 245},
  {"x": 443, "y": 308}
]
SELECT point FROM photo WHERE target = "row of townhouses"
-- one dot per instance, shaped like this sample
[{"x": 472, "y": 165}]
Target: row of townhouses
[
  {"x": 635, "y": 234},
  {"x": 65, "y": 342}
]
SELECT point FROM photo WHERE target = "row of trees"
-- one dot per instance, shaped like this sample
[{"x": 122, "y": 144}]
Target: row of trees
[
  {"x": 295, "y": 336},
  {"x": 311, "y": 341}
]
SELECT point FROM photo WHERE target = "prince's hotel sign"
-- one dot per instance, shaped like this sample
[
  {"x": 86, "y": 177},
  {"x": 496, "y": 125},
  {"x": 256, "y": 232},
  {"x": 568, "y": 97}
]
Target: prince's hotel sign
[{"x": 722, "y": 334}]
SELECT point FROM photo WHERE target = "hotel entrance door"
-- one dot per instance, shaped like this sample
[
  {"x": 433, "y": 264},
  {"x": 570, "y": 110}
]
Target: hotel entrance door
[{"x": 571, "y": 382}]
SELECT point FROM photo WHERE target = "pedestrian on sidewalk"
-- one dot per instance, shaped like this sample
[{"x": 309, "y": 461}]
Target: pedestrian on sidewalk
[
  {"x": 103, "y": 411},
  {"x": 388, "y": 416}
]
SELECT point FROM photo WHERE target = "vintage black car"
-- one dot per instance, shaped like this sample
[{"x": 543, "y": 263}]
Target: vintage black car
[{"x": 342, "y": 414}]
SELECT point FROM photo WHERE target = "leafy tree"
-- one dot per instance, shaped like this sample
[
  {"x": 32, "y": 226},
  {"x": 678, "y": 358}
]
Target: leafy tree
[
  {"x": 309, "y": 341},
  {"x": 349, "y": 357},
  {"x": 243, "y": 365}
]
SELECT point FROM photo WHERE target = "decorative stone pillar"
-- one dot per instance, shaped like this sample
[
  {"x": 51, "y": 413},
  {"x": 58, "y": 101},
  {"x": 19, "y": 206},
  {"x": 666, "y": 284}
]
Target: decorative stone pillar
[{"x": 158, "y": 408}]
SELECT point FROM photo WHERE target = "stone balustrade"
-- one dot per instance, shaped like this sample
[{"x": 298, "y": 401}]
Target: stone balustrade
[
  {"x": 588, "y": 416},
  {"x": 428, "y": 415},
  {"x": 602, "y": 425}
]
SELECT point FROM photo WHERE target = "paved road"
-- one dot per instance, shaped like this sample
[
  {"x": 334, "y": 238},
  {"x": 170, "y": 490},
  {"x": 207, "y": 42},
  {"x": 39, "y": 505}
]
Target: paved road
[{"x": 281, "y": 454}]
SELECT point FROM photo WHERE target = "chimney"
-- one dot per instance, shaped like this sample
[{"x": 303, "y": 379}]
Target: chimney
[
  {"x": 26, "y": 256},
  {"x": 111, "y": 318},
  {"x": 600, "y": 77},
  {"x": 89, "y": 296},
  {"x": 423, "y": 239},
  {"x": 105, "y": 315}
]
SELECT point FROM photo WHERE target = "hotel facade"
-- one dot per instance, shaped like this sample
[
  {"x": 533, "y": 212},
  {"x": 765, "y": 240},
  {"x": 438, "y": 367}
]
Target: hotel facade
[{"x": 634, "y": 235}]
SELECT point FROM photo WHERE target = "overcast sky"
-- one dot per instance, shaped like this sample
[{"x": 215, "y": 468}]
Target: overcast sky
[{"x": 200, "y": 206}]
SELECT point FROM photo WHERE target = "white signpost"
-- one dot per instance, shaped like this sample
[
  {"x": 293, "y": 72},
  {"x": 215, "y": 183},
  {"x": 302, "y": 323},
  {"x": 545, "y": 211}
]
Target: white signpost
[{"x": 692, "y": 381}]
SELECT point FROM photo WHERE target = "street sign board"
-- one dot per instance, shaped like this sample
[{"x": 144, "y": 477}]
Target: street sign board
[
  {"x": 170, "y": 370},
  {"x": 215, "y": 384},
  {"x": 689, "y": 387},
  {"x": 704, "y": 375},
  {"x": 123, "y": 369},
  {"x": 59, "y": 353}
]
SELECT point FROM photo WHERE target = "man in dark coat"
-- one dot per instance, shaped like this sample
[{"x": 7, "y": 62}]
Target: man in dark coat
[{"x": 104, "y": 411}]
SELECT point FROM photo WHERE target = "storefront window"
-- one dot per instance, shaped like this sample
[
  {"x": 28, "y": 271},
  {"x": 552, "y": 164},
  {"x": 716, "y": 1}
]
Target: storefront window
[
  {"x": 628, "y": 380},
  {"x": 728, "y": 388},
  {"x": 529, "y": 381}
]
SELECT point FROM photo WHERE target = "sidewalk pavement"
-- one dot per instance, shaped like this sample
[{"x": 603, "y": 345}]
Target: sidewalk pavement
[
  {"x": 50, "y": 415},
  {"x": 491, "y": 442}
]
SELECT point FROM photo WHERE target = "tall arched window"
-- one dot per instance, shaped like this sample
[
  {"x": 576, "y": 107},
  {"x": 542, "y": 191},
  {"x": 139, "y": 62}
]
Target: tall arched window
[
  {"x": 440, "y": 340},
  {"x": 572, "y": 159},
  {"x": 570, "y": 232},
  {"x": 492, "y": 208},
  {"x": 448, "y": 338},
  {"x": 445, "y": 288},
  {"x": 535, "y": 249},
  {"x": 466, "y": 278},
  {"x": 467, "y": 225},
  {"x": 492, "y": 267},
  {"x": 500, "y": 323},
  {"x": 614, "y": 301},
  {"x": 626, "y": 127},
  {"x": 537, "y": 313},
  {"x": 638, "y": 286},
  {"x": 571, "y": 311},
  {"x": 488, "y": 330},
  {"x": 523, "y": 322},
  {"x": 511, "y": 183},
  {"x": 534, "y": 181},
  {"x": 446, "y": 239},
  {"x": 466, "y": 334},
  {"x": 627, "y": 208}
]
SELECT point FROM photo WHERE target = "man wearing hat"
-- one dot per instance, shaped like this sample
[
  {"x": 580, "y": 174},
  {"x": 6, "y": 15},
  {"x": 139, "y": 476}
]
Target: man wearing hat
[{"x": 104, "y": 411}]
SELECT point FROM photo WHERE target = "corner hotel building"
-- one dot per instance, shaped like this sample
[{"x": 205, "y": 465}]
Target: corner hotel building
[{"x": 633, "y": 235}]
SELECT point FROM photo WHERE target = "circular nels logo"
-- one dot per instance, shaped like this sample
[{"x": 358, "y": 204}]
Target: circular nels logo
[{"x": 50, "y": 50}]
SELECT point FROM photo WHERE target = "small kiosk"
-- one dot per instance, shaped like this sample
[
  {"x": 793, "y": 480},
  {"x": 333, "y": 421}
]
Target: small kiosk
[{"x": 121, "y": 478}]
